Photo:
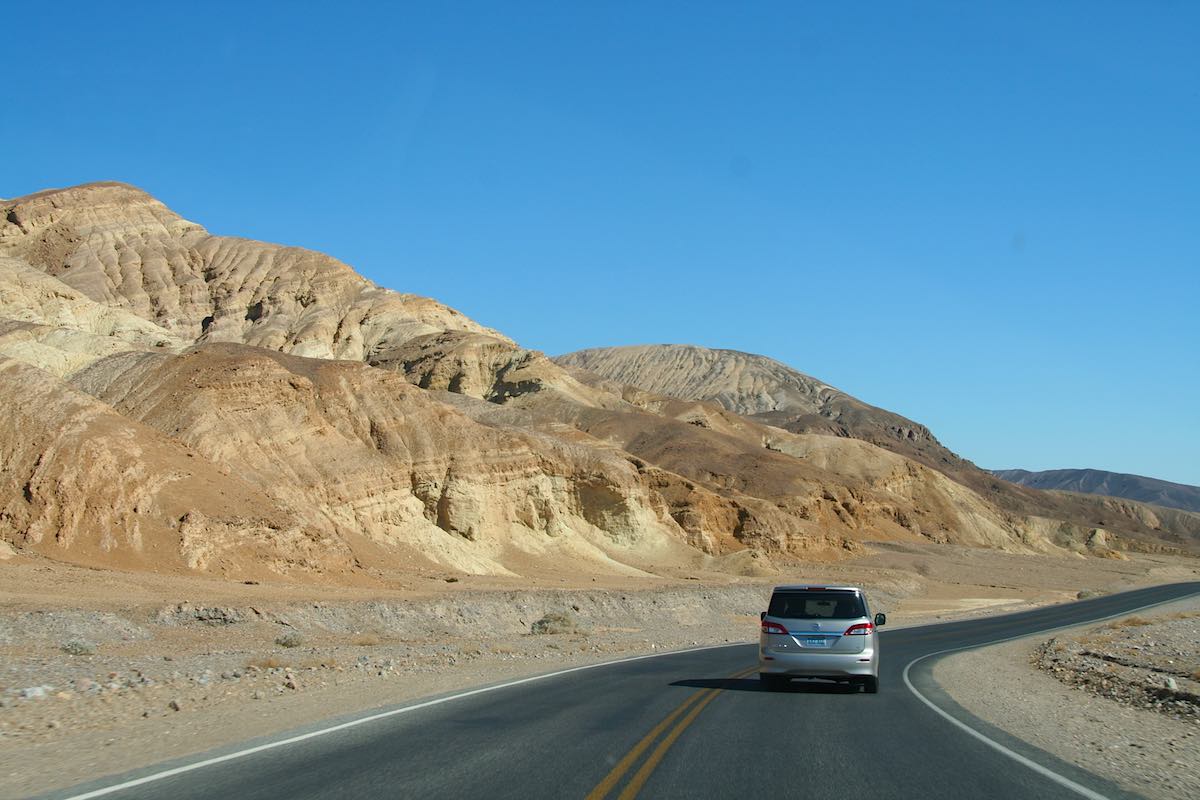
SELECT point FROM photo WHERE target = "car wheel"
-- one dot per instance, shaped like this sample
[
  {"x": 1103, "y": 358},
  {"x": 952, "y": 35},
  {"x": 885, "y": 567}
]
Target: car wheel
[
  {"x": 772, "y": 683},
  {"x": 870, "y": 684}
]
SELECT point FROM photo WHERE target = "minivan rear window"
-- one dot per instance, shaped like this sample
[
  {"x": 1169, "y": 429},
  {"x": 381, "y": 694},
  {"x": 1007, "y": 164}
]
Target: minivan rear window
[{"x": 816, "y": 605}]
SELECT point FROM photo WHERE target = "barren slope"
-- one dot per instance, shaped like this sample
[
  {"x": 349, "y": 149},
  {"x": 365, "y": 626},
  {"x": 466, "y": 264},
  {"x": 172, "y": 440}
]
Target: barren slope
[
  {"x": 122, "y": 248},
  {"x": 404, "y": 480},
  {"x": 83, "y": 484},
  {"x": 265, "y": 409},
  {"x": 772, "y": 393},
  {"x": 761, "y": 388}
]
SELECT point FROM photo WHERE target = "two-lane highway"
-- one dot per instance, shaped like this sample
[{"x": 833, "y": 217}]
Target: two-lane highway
[{"x": 687, "y": 725}]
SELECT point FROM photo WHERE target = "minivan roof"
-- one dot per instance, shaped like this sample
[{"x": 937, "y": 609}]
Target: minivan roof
[{"x": 806, "y": 587}]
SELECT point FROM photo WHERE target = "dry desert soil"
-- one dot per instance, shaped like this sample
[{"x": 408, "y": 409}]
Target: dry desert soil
[{"x": 93, "y": 686}]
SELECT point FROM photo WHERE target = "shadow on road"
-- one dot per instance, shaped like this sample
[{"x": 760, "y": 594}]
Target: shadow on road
[{"x": 755, "y": 685}]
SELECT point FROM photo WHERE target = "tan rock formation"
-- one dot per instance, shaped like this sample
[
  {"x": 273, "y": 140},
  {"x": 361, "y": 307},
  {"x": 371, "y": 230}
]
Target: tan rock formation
[
  {"x": 83, "y": 484},
  {"x": 181, "y": 401},
  {"x": 482, "y": 366},
  {"x": 761, "y": 388},
  {"x": 771, "y": 393},
  {"x": 45, "y": 322},
  {"x": 361, "y": 455},
  {"x": 122, "y": 248}
]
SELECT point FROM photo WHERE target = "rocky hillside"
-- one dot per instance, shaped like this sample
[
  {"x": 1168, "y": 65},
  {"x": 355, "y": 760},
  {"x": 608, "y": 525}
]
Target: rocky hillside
[
  {"x": 1111, "y": 484},
  {"x": 186, "y": 402},
  {"x": 771, "y": 393},
  {"x": 760, "y": 388},
  {"x": 121, "y": 248}
]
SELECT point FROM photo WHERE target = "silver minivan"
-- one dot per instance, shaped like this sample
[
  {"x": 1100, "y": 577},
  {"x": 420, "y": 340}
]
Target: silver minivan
[{"x": 819, "y": 632}]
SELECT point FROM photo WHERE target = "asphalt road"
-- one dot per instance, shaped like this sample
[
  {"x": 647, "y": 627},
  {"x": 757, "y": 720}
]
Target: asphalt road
[{"x": 684, "y": 725}]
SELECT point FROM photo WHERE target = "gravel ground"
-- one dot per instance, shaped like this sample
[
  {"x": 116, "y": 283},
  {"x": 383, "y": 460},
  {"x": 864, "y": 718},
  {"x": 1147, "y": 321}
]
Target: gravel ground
[
  {"x": 1080, "y": 713},
  {"x": 146, "y": 685},
  {"x": 106, "y": 672},
  {"x": 1144, "y": 662},
  {"x": 118, "y": 690}
]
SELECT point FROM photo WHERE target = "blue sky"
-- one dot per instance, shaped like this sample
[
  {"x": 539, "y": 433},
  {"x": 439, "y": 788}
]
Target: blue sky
[{"x": 982, "y": 216}]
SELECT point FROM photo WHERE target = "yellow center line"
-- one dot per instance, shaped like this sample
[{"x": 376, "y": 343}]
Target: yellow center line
[
  {"x": 610, "y": 780},
  {"x": 639, "y": 778}
]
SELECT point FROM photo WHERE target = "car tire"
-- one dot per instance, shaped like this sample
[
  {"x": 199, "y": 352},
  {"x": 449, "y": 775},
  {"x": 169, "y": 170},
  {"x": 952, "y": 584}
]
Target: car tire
[
  {"x": 870, "y": 684},
  {"x": 772, "y": 683}
]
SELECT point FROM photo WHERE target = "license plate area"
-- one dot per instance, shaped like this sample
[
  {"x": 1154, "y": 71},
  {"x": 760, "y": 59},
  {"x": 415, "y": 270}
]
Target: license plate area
[{"x": 815, "y": 642}]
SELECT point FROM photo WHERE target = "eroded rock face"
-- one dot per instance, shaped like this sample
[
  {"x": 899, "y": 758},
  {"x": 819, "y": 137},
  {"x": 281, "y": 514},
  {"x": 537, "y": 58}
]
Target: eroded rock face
[
  {"x": 482, "y": 366},
  {"x": 753, "y": 386},
  {"x": 733, "y": 483},
  {"x": 45, "y": 322},
  {"x": 123, "y": 249},
  {"x": 355, "y": 451},
  {"x": 743, "y": 383},
  {"x": 84, "y": 484},
  {"x": 989, "y": 511},
  {"x": 187, "y": 402}
]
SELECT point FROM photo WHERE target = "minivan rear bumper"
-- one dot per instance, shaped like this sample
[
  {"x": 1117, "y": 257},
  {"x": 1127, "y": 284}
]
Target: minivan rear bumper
[{"x": 819, "y": 665}]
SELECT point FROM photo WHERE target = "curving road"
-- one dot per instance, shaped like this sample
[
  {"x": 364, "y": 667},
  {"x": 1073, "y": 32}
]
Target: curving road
[{"x": 693, "y": 724}]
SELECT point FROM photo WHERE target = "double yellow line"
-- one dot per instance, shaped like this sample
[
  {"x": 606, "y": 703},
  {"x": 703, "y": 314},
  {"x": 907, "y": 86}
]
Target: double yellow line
[{"x": 689, "y": 709}]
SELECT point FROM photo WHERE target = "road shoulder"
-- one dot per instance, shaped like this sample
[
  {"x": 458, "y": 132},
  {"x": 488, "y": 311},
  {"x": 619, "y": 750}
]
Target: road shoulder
[{"x": 1139, "y": 750}]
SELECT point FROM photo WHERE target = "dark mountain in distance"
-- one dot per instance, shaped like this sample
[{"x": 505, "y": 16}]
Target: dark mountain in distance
[{"x": 1112, "y": 484}]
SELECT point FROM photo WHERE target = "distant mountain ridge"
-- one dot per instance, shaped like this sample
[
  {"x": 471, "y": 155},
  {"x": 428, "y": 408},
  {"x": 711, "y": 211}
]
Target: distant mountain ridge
[{"x": 1113, "y": 484}]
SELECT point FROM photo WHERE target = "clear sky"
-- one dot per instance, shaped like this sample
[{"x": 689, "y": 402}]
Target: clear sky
[{"x": 984, "y": 216}]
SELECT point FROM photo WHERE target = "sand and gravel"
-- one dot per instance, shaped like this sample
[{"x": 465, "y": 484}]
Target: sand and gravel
[
  {"x": 1078, "y": 709},
  {"x": 93, "y": 685}
]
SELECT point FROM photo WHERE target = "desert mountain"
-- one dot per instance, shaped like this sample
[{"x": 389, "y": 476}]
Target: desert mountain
[
  {"x": 1112, "y": 484},
  {"x": 774, "y": 394},
  {"x": 762, "y": 389},
  {"x": 125, "y": 250},
  {"x": 187, "y": 402}
]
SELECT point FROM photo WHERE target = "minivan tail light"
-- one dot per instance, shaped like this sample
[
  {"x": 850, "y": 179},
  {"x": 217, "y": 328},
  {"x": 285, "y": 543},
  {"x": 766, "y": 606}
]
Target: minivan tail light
[
  {"x": 773, "y": 627},
  {"x": 860, "y": 629}
]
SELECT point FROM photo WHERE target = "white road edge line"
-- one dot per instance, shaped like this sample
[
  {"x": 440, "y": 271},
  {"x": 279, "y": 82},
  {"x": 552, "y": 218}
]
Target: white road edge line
[
  {"x": 1045, "y": 772},
  {"x": 208, "y": 762}
]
